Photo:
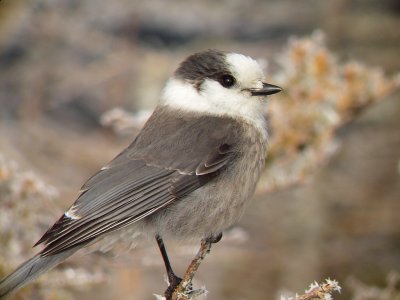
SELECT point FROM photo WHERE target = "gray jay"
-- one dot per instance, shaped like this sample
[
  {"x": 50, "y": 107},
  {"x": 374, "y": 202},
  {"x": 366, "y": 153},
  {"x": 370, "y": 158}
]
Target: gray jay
[{"x": 189, "y": 173}]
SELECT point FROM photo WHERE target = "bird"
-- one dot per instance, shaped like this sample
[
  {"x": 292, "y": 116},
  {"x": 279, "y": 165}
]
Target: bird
[{"x": 189, "y": 173}]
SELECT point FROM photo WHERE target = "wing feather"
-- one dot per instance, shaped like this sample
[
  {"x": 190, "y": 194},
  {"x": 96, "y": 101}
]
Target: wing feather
[{"x": 147, "y": 176}]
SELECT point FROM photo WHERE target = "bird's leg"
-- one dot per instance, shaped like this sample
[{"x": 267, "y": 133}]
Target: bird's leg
[
  {"x": 185, "y": 285},
  {"x": 173, "y": 280}
]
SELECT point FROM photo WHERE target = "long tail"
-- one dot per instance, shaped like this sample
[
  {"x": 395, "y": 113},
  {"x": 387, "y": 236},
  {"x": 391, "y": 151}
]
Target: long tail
[{"x": 30, "y": 270}]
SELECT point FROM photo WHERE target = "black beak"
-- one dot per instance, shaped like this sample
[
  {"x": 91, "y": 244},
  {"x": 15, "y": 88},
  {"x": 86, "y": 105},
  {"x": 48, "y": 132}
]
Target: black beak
[{"x": 267, "y": 89}]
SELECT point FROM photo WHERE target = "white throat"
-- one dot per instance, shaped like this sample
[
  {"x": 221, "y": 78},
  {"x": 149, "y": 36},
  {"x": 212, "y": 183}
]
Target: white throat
[{"x": 215, "y": 100}]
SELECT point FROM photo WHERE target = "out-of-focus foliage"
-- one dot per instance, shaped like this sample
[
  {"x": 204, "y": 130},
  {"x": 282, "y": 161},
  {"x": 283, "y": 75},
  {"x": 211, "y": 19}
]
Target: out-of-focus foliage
[
  {"x": 362, "y": 291},
  {"x": 27, "y": 208},
  {"x": 123, "y": 122},
  {"x": 320, "y": 94},
  {"x": 26, "y": 205}
]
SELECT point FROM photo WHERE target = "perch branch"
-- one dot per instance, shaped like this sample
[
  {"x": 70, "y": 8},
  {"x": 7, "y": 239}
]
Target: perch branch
[{"x": 184, "y": 290}]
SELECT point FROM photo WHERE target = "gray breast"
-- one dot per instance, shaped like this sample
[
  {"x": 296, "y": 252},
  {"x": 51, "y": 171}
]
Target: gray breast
[{"x": 220, "y": 203}]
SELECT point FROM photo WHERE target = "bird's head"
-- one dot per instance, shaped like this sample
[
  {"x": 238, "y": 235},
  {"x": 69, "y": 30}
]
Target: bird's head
[{"x": 218, "y": 83}]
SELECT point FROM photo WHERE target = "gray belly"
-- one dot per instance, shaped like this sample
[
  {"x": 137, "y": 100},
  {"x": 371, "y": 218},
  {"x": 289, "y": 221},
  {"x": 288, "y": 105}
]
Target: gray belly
[{"x": 216, "y": 205}]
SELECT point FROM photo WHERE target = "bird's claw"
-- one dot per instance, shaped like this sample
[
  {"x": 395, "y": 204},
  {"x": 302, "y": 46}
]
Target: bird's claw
[{"x": 174, "y": 282}]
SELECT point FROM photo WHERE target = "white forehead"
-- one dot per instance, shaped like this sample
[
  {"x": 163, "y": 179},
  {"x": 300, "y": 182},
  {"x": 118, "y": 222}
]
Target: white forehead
[{"x": 244, "y": 68}]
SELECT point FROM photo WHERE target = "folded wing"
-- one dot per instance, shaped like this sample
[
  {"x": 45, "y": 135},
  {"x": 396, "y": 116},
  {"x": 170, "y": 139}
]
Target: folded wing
[{"x": 144, "y": 178}]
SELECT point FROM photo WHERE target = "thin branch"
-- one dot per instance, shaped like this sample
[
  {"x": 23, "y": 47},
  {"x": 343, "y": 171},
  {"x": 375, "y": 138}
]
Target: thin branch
[
  {"x": 184, "y": 290},
  {"x": 318, "y": 291}
]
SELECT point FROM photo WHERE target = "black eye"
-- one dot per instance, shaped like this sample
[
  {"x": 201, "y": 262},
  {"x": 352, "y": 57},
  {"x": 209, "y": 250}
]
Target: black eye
[{"x": 227, "y": 80}]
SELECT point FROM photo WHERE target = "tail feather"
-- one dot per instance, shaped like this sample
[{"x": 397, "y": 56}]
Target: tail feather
[{"x": 30, "y": 270}]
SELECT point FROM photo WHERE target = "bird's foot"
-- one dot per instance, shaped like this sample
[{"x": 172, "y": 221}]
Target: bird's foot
[{"x": 173, "y": 282}]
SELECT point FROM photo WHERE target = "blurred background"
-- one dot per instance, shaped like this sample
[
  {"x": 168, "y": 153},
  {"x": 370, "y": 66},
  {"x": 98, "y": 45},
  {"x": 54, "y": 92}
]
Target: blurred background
[{"x": 79, "y": 78}]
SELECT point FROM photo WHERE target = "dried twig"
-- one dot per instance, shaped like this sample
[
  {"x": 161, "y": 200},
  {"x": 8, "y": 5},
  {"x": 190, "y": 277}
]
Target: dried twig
[
  {"x": 318, "y": 291},
  {"x": 184, "y": 290}
]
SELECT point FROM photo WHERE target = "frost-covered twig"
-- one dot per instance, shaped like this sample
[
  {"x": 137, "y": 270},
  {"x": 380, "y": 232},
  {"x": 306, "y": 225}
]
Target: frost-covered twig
[{"x": 318, "y": 291}]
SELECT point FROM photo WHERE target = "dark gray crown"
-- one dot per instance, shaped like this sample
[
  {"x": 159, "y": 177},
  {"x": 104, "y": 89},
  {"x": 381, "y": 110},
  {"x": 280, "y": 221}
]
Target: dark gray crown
[{"x": 199, "y": 66}]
